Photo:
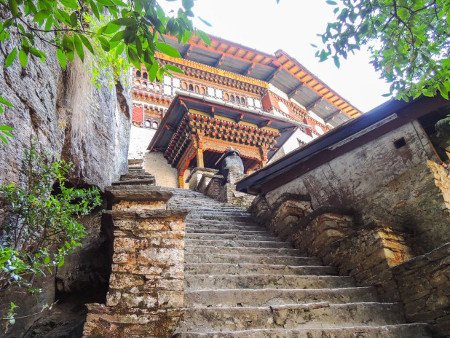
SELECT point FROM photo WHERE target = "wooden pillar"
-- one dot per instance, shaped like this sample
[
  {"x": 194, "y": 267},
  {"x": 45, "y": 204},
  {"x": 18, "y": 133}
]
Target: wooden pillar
[
  {"x": 200, "y": 161},
  {"x": 181, "y": 179}
]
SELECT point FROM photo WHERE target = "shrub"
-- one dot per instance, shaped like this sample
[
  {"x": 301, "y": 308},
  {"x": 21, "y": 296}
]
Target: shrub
[{"x": 41, "y": 225}]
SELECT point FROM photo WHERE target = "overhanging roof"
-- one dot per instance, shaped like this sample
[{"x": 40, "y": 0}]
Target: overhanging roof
[
  {"x": 379, "y": 121},
  {"x": 280, "y": 69},
  {"x": 182, "y": 103}
]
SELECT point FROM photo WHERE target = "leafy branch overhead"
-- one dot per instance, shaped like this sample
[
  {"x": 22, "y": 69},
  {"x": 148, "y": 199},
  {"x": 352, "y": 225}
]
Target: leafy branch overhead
[
  {"x": 133, "y": 29},
  {"x": 409, "y": 41}
]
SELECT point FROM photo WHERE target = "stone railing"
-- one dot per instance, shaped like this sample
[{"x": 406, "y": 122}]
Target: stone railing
[
  {"x": 210, "y": 183},
  {"x": 146, "y": 287}
]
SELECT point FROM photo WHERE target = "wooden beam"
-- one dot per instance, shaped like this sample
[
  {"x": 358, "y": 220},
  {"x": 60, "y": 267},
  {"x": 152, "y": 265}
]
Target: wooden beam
[
  {"x": 332, "y": 115},
  {"x": 312, "y": 104},
  {"x": 239, "y": 118},
  {"x": 219, "y": 61},
  {"x": 295, "y": 90},
  {"x": 170, "y": 127},
  {"x": 250, "y": 67},
  {"x": 185, "y": 52},
  {"x": 273, "y": 74},
  {"x": 264, "y": 123}
]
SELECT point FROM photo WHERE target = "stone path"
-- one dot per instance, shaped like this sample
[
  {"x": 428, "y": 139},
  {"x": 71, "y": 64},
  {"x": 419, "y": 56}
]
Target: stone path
[{"x": 243, "y": 282}]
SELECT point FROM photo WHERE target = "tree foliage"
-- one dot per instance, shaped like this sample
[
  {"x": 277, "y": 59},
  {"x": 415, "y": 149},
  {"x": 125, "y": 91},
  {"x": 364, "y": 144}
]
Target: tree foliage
[
  {"x": 409, "y": 41},
  {"x": 134, "y": 29}
]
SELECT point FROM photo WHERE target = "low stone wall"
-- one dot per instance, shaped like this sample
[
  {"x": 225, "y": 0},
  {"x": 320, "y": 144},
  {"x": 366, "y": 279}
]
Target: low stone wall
[
  {"x": 424, "y": 286},
  {"x": 368, "y": 254},
  {"x": 146, "y": 289}
]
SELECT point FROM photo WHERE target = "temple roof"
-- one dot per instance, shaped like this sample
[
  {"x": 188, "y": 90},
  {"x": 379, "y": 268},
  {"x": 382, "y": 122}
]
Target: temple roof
[
  {"x": 281, "y": 70},
  {"x": 185, "y": 102}
]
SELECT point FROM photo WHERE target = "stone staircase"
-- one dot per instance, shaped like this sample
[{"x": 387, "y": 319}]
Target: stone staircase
[{"x": 243, "y": 282}]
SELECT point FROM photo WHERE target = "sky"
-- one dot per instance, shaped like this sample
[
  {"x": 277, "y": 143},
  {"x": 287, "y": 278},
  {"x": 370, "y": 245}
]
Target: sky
[{"x": 292, "y": 25}]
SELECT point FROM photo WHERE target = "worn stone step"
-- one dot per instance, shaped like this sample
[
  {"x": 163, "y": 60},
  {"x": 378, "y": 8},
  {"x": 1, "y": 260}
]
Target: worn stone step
[
  {"x": 248, "y": 268},
  {"x": 241, "y": 250},
  {"x": 217, "y": 231},
  {"x": 292, "y": 316},
  {"x": 137, "y": 170},
  {"x": 271, "y": 297},
  {"x": 255, "y": 281},
  {"x": 133, "y": 176},
  {"x": 209, "y": 224},
  {"x": 222, "y": 217},
  {"x": 255, "y": 259},
  {"x": 230, "y": 236},
  {"x": 360, "y": 331},
  {"x": 235, "y": 243},
  {"x": 135, "y": 182}
]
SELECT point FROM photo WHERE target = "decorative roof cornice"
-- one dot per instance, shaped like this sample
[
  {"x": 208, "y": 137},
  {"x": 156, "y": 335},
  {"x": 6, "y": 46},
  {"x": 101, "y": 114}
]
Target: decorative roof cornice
[{"x": 193, "y": 68}]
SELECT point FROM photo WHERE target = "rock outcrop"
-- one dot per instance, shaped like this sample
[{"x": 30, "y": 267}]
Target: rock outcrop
[{"x": 68, "y": 115}]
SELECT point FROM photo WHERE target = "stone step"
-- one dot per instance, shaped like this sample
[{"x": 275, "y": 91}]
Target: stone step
[
  {"x": 255, "y": 259},
  {"x": 135, "y": 182},
  {"x": 386, "y": 331},
  {"x": 218, "y": 231},
  {"x": 133, "y": 176},
  {"x": 259, "y": 281},
  {"x": 291, "y": 316},
  {"x": 249, "y": 268},
  {"x": 241, "y": 250},
  {"x": 271, "y": 297},
  {"x": 137, "y": 170},
  {"x": 230, "y": 237},
  {"x": 233, "y": 243},
  {"x": 231, "y": 226},
  {"x": 203, "y": 217}
]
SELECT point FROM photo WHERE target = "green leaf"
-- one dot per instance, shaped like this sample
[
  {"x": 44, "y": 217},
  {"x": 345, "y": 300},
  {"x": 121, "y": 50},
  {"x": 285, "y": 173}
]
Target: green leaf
[
  {"x": 67, "y": 43},
  {"x": 36, "y": 52},
  {"x": 331, "y": 2},
  {"x": 94, "y": 9},
  {"x": 4, "y": 128},
  {"x": 205, "y": 37},
  {"x": 10, "y": 58},
  {"x": 109, "y": 28},
  {"x": 70, "y": 3},
  {"x": 204, "y": 21},
  {"x": 23, "y": 58},
  {"x": 61, "y": 58},
  {"x": 78, "y": 46},
  {"x": 5, "y": 102},
  {"x": 13, "y": 7},
  {"x": 87, "y": 43},
  {"x": 173, "y": 68},
  {"x": 168, "y": 49},
  {"x": 104, "y": 43},
  {"x": 336, "y": 61},
  {"x": 124, "y": 21}
]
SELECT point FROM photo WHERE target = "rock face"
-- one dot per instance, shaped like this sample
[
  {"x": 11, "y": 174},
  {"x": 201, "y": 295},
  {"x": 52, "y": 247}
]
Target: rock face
[{"x": 68, "y": 115}]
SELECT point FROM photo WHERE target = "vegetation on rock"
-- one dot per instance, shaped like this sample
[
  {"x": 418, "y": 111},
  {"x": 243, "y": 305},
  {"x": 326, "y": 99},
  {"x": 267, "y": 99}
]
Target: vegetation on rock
[{"x": 41, "y": 226}]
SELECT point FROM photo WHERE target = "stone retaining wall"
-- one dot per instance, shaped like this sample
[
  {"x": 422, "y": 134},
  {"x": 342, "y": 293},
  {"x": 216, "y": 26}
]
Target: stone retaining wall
[{"x": 424, "y": 286}]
